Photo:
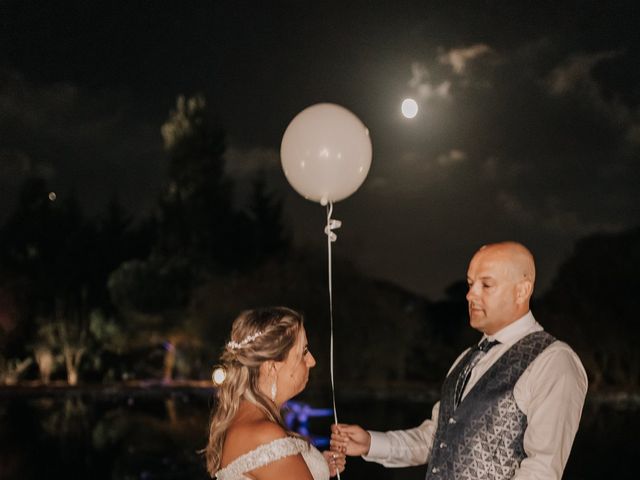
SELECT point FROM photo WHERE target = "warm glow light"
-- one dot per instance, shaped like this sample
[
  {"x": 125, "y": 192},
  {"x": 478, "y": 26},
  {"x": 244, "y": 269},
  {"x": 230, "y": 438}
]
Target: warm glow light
[
  {"x": 219, "y": 375},
  {"x": 409, "y": 108}
]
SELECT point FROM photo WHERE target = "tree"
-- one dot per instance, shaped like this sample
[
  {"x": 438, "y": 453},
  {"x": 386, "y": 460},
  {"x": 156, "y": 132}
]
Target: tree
[
  {"x": 69, "y": 333},
  {"x": 195, "y": 231},
  {"x": 593, "y": 304},
  {"x": 195, "y": 215},
  {"x": 119, "y": 240},
  {"x": 45, "y": 359},
  {"x": 260, "y": 232},
  {"x": 377, "y": 326},
  {"x": 27, "y": 247},
  {"x": 11, "y": 369},
  {"x": 194, "y": 218}
]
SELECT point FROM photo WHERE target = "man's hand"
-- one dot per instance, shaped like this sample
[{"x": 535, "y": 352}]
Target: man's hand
[{"x": 352, "y": 440}]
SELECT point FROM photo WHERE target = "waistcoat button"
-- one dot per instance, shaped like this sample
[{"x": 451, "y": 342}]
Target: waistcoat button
[
  {"x": 452, "y": 420},
  {"x": 434, "y": 470}
]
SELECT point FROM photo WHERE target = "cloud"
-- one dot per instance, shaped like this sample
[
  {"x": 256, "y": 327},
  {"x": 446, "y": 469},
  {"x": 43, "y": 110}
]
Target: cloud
[
  {"x": 452, "y": 157},
  {"x": 512, "y": 205},
  {"x": 420, "y": 81},
  {"x": 377, "y": 183},
  {"x": 75, "y": 138},
  {"x": 440, "y": 84},
  {"x": 244, "y": 165},
  {"x": 575, "y": 77},
  {"x": 576, "y": 73},
  {"x": 490, "y": 168},
  {"x": 633, "y": 134},
  {"x": 415, "y": 161},
  {"x": 58, "y": 112},
  {"x": 551, "y": 214},
  {"x": 54, "y": 110},
  {"x": 459, "y": 58},
  {"x": 16, "y": 165},
  {"x": 241, "y": 163}
]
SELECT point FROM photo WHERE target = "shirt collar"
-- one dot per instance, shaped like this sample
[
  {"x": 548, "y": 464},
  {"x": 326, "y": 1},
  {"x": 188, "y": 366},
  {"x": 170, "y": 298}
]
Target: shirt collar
[{"x": 515, "y": 331}]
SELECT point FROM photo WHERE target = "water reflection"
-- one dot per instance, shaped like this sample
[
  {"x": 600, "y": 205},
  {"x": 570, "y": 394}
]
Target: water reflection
[
  {"x": 77, "y": 437},
  {"x": 68, "y": 419},
  {"x": 158, "y": 437}
]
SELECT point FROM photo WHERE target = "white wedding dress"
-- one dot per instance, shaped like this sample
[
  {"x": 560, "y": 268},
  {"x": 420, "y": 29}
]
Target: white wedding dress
[{"x": 272, "y": 451}]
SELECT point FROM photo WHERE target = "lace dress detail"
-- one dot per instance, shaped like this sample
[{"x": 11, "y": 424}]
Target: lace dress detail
[{"x": 272, "y": 451}]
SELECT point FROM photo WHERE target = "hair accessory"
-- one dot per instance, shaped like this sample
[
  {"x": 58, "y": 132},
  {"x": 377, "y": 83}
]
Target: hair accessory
[
  {"x": 218, "y": 376},
  {"x": 248, "y": 339}
]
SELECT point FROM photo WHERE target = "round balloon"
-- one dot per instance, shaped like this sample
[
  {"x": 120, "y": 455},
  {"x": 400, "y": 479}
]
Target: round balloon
[{"x": 326, "y": 153}]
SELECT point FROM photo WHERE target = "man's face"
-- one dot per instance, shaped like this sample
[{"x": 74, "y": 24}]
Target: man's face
[{"x": 492, "y": 292}]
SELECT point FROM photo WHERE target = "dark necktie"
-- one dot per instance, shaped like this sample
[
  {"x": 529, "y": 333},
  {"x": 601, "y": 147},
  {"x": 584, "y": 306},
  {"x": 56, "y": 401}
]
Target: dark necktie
[{"x": 477, "y": 353}]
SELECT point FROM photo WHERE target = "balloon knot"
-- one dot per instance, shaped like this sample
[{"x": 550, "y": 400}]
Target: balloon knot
[{"x": 332, "y": 225}]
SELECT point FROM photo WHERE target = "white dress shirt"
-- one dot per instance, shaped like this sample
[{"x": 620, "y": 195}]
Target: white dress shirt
[{"x": 550, "y": 392}]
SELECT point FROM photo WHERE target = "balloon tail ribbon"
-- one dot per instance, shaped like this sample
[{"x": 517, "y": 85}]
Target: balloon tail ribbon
[{"x": 332, "y": 224}]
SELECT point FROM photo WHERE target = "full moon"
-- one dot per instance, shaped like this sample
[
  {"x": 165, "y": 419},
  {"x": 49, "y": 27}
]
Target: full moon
[{"x": 409, "y": 108}]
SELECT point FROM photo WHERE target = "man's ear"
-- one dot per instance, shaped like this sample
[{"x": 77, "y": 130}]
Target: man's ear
[{"x": 524, "y": 289}]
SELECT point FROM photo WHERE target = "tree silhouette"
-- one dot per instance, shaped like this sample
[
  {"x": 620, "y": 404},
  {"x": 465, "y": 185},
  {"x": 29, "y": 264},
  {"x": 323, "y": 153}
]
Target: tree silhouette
[
  {"x": 46, "y": 254},
  {"x": 195, "y": 218},
  {"x": 260, "y": 233},
  {"x": 593, "y": 304},
  {"x": 53, "y": 259}
]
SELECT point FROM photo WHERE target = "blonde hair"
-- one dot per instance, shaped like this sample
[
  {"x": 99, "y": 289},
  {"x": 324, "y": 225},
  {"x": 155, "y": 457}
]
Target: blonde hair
[{"x": 279, "y": 327}]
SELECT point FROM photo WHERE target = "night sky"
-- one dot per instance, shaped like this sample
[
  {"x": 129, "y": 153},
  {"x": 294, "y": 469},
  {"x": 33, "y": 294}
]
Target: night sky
[{"x": 529, "y": 122}]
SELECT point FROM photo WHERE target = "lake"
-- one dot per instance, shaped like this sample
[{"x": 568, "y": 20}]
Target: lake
[{"x": 145, "y": 435}]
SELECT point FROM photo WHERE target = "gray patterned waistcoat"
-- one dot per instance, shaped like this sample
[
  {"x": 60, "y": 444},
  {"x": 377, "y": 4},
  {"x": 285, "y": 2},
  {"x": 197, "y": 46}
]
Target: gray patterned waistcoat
[{"x": 483, "y": 437}]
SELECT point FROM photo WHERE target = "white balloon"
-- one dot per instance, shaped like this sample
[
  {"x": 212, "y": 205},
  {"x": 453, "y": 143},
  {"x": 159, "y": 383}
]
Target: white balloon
[{"x": 326, "y": 153}]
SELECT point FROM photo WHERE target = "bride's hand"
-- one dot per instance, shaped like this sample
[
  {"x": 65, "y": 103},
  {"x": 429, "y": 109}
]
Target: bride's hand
[{"x": 336, "y": 462}]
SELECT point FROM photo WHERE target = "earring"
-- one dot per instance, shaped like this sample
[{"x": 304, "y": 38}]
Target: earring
[{"x": 274, "y": 390}]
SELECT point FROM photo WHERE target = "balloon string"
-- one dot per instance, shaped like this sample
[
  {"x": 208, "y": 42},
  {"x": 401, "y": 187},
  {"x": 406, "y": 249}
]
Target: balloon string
[{"x": 331, "y": 237}]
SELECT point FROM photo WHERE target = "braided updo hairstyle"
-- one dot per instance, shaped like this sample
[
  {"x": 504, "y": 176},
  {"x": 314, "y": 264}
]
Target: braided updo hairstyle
[{"x": 279, "y": 327}]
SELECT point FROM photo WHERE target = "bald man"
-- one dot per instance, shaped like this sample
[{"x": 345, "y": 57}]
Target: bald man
[{"x": 509, "y": 407}]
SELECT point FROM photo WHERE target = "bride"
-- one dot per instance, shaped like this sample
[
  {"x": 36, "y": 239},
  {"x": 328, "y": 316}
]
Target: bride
[{"x": 265, "y": 363}]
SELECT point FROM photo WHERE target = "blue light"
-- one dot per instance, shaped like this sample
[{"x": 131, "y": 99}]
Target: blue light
[{"x": 297, "y": 418}]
